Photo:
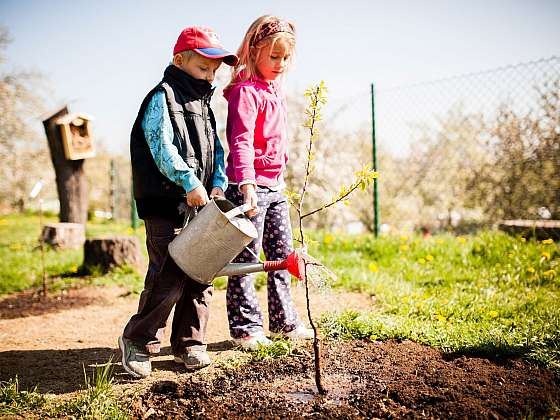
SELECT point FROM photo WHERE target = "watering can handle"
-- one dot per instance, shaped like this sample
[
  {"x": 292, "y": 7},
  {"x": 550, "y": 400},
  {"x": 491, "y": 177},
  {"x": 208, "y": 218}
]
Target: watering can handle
[{"x": 238, "y": 210}]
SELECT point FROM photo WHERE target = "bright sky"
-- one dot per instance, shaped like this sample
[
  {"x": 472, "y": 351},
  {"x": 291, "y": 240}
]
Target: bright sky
[{"x": 101, "y": 57}]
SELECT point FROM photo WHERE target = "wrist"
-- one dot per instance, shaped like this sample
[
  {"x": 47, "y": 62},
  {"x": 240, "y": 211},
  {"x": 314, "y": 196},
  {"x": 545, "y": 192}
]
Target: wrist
[{"x": 247, "y": 188}]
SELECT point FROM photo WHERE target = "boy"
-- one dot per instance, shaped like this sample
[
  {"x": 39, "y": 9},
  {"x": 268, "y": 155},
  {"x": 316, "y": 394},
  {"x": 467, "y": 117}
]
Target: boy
[{"x": 177, "y": 159}]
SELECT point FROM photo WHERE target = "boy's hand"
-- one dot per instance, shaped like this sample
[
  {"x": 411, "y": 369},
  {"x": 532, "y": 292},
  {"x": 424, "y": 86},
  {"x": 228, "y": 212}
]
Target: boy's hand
[
  {"x": 250, "y": 196},
  {"x": 217, "y": 192},
  {"x": 197, "y": 197}
]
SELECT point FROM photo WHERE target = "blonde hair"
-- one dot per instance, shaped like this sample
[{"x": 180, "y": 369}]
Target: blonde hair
[
  {"x": 186, "y": 55},
  {"x": 246, "y": 67}
]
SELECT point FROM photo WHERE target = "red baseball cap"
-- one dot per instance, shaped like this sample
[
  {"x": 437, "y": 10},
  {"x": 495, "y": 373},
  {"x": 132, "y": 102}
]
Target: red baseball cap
[{"x": 205, "y": 42}]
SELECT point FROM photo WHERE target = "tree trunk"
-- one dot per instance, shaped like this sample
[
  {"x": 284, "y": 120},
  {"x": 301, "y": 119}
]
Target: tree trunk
[
  {"x": 71, "y": 181},
  {"x": 105, "y": 254}
]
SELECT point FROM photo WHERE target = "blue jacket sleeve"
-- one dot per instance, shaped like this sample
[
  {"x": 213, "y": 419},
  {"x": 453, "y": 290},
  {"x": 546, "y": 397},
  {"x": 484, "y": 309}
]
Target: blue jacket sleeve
[
  {"x": 159, "y": 135},
  {"x": 220, "y": 178}
]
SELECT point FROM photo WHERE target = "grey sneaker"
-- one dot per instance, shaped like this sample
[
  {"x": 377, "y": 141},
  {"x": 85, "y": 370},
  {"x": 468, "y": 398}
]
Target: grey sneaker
[
  {"x": 135, "y": 359},
  {"x": 193, "y": 359}
]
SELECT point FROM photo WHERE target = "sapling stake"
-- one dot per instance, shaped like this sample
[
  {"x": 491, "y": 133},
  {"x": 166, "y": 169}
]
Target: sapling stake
[{"x": 317, "y": 98}]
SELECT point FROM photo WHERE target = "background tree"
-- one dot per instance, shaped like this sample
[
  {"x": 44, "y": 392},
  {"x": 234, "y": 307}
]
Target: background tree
[{"x": 22, "y": 151}]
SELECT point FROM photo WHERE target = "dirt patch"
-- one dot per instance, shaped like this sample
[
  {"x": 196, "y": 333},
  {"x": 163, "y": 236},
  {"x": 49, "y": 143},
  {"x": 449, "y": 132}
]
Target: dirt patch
[
  {"x": 364, "y": 380},
  {"x": 52, "y": 348},
  {"x": 32, "y": 303}
]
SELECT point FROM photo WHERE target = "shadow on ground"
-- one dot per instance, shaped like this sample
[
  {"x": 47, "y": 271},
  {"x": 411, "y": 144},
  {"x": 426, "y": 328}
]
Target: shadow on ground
[{"x": 62, "y": 371}]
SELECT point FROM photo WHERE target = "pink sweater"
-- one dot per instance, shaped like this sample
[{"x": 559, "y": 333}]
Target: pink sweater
[{"x": 256, "y": 132}]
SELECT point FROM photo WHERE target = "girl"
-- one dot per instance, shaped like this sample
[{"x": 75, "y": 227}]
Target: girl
[{"x": 257, "y": 137}]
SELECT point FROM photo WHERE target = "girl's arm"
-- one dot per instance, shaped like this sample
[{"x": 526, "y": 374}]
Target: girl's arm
[{"x": 242, "y": 116}]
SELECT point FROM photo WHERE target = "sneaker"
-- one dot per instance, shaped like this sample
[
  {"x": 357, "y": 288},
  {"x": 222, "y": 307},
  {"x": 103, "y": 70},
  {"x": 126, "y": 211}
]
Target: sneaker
[
  {"x": 135, "y": 359},
  {"x": 253, "y": 341},
  {"x": 193, "y": 359},
  {"x": 299, "y": 333}
]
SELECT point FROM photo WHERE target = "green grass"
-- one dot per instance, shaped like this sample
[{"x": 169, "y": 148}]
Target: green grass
[
  {"x": 489, "y": 294},
  {"x": 20, "y": 257},
  {"x": 13, "y": 400},
  {"x": 96, "y": 401}
]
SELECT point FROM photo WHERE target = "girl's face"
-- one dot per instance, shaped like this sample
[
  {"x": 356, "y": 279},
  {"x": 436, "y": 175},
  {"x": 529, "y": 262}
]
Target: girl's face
[{"x": 273, "y": 60}]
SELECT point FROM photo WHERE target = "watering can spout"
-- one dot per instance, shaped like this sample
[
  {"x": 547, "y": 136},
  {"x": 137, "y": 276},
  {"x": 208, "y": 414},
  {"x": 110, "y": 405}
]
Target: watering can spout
[{"x": 292, "y": 263}]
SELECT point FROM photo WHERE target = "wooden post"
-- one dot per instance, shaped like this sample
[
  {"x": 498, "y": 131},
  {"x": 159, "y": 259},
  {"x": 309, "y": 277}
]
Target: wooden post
[{"x": 71, "y": 181}]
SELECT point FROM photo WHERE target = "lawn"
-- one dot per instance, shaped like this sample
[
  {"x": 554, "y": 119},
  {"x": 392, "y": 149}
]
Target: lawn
[{"x": 489, "y": 294}]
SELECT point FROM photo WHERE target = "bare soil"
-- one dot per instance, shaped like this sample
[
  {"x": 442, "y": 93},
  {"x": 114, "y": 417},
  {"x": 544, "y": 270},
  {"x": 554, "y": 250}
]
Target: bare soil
[
  {"x": 364, "y": 380},
  {"x": 50, "y": 342}
]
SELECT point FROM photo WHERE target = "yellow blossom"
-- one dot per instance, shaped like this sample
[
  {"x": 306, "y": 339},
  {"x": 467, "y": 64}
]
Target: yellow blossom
[
  {"x": 440, "y": 318},
  {"x": 429, "y": 258},
  {"x": 329, "y": 238},
  {"x": 461, "y": 239},
  {"x": 421, "y": 261},
  {"x": 530, "y": 269},
  {"x": 549, "y": 273},
  {"x": 373, "y": 268},
  {"x": 439, "y": 241},
  {"x": 493, "y": 314},
  {"x": 548, "y": 241},
  {"x": 545, "y": 256},
  {"x": 522, "y": 239},
  {"x": 404, "y": 238},
  {"x": 404, "y": 247}
]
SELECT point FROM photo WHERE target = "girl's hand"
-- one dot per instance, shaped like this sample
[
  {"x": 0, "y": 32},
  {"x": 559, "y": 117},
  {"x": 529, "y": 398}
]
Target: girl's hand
[
  {"x": 197, "y": 197},
  {"x": 217, "y": 192},
  {"x": 250, "y": 196}
]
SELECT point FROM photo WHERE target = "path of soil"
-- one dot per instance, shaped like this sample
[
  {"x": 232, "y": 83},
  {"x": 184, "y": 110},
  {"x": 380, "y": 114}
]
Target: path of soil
[{"x": 47, "y": 344}]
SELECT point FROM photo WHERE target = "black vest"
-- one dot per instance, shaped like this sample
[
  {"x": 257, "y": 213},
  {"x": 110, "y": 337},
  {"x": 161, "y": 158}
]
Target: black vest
[{"x": 194, "y": 127}]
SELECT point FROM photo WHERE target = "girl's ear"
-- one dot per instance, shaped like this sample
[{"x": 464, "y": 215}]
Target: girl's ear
[{"x": 253, "y": 53}]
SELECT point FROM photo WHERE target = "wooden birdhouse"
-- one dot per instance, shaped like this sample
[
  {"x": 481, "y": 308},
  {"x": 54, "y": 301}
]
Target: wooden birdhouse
[{"x": 76, "y": 136}]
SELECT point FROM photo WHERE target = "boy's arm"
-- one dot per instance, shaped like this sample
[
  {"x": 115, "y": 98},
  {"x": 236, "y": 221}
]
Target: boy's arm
[
  {"x": 220, "y": 178},
  {"x": 159, "y": 136}
]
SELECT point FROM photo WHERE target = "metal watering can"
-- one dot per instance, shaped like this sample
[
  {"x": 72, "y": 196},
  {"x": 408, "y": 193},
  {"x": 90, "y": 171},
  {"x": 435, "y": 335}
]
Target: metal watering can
[{"x": 209, "y": 242}]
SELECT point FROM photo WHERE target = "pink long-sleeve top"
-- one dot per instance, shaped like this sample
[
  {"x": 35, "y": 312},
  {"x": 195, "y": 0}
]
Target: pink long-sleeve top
[{"x": 256, "y": 132}]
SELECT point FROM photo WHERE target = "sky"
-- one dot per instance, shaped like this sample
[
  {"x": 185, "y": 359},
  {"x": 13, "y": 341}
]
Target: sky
[{"x": 102, "y": 57}]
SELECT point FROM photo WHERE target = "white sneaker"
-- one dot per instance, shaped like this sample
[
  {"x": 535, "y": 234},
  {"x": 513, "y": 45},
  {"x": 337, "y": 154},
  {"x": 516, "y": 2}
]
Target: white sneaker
[
  {"x": 299, "y": 333},
  {"x": 253, "y": 341}
]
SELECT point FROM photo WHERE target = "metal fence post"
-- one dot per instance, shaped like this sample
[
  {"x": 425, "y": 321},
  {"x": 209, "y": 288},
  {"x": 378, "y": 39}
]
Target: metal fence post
[
  {"x": 134, "y": 220},
  {"x": 374, "y": 161}
]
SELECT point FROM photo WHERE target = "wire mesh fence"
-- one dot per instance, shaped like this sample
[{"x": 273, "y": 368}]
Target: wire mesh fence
[{"x": 473, "y": 149}]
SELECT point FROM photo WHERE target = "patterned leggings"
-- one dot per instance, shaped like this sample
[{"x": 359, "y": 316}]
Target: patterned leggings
[{"x": 275, "y": 236}]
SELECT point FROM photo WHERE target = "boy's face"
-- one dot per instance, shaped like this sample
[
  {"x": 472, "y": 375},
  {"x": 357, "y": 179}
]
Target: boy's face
[
  {"x": 198, "y": 66},
  {"x": 273, "y": 60}
]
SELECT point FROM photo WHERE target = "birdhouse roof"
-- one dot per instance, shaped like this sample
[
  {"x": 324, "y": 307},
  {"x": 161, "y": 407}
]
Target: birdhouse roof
[{"x": 69, "y": 118}]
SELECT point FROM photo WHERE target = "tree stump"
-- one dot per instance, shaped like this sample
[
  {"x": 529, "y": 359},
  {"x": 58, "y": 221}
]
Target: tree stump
[
  {"x": 538, "y": 229},
  {"x": 107, "y": 253},
  {"x": 64, "y": 235}
]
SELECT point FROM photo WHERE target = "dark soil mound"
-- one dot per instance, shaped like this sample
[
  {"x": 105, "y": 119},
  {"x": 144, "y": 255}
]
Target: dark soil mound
[{"x": 364, "y": 380}]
